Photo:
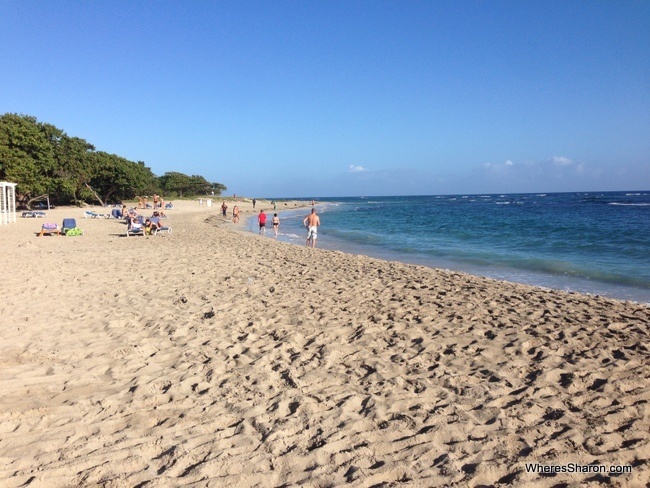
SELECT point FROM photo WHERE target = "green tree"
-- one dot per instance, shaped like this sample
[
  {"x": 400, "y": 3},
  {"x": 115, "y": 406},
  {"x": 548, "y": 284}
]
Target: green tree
[
  {"x": 176, "y": 183},
  {"x": 199, "y": 185},
  {"x": 75, "y": 168},
  {"x": 44, "y": 161},
  {"x": 28, "y": 156},
  {"x": 116, "y": 178},
  {"x": 218, "y": 188}
]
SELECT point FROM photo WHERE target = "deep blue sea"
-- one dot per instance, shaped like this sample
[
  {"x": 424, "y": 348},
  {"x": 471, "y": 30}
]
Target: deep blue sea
[{"x": 596, "y": 243}]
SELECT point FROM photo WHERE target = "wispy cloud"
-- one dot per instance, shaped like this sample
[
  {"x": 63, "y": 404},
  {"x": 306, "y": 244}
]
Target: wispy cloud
[
  {"x": 498, "y": 166},
  {"x": 356, "y": 169},
  {"x": 561, "y": 161},
  {"x": 559, "y": 173}
]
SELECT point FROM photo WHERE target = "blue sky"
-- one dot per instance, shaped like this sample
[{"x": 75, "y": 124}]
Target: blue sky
[{"x": 345, "y": 98}]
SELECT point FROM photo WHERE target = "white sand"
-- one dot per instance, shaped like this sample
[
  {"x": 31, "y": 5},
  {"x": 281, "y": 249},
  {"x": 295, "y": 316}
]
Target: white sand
[{"x": 215, "y": 358}]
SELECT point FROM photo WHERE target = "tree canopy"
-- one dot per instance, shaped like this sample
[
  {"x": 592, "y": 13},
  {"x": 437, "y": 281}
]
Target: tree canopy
[{"x": 44, "y": 161}]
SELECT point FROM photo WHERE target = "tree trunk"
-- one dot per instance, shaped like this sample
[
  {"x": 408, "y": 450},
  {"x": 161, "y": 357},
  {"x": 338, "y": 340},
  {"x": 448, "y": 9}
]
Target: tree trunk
[
  {"x": 109, "y": 193},
  {"x": 29, "y": 202},
  {"x": 99, "y": 199}
]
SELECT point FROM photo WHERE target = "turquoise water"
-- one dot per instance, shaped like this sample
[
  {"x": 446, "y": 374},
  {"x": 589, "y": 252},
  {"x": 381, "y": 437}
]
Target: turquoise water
[{"x": 589, "y": 242}]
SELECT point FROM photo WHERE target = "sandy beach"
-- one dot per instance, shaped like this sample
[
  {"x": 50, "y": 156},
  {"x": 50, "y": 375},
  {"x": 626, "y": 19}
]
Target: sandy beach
[{"x": 211, "y": 357}]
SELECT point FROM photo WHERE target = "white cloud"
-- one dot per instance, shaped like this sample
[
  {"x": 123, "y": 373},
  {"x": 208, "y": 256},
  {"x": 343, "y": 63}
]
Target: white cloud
[
  {"x": 499, "y": 167},
  {"x": 557, "y": 173},
  {"x": 356, "y": 169},
  {"x": 561, "y": 161}
]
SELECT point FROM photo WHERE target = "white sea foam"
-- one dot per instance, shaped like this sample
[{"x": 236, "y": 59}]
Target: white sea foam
[
  {"x": 630, "y": 204},
  {"x": 527, "y": 239}
]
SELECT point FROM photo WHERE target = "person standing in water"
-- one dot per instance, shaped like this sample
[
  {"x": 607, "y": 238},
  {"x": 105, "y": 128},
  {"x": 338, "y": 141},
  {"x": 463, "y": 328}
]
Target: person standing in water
[
  {"x": 312, "y": 222},
  {"x": 276, "y": 224},
  {"x": 261, "y": 219}
]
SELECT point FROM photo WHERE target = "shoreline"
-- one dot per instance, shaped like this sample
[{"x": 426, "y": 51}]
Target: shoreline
[
  {"x": 511, "y": 275},
  {"x": 215, "y": 356}
]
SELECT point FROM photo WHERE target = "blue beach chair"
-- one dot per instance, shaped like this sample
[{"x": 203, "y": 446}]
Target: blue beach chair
[
  {"x": 155, "y": 229},
  {"x": 69, "y": 228},
  {"x": 134, "y": 228}
]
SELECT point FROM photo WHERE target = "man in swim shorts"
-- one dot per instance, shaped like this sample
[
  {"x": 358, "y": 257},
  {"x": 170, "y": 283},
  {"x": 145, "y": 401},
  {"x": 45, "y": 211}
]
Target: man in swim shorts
[
  {"x": 312, "y": 221},
  {"x": 261, "y": 219}
]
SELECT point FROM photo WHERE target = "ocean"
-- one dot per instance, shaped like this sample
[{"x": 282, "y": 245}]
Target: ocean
[{"x": 597, "y": 243}]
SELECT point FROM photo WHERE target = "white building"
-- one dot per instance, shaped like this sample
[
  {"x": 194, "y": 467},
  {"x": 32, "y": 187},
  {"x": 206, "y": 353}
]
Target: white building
[{"x": 7, "y": 203}]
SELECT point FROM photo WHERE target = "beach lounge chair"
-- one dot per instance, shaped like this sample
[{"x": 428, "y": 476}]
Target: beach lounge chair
[
  {"x": 155, "y": 229},
  {"x": 34, "y": 215},
  {"x": 89, "y": 214},
  {"x": 69, "y": 228},
  {"x": 134, "y": 229},
  {"x": 49, "y": 228}
]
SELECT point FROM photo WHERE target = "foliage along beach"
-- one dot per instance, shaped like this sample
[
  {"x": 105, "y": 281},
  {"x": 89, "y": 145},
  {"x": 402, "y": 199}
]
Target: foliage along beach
[{"x": 46, "y": 162}]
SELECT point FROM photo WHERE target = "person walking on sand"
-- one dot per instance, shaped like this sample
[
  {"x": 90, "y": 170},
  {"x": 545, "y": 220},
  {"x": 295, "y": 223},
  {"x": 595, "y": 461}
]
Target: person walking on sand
[
  {"x": 254, "y": 202},
  {"x": 224, "y": 208},
  {"x": 276, "y": 224},
  {"x": 235, "y": 214},
  {"x": 261, "y": 219},
  {"x": 312, "y": 221}
]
